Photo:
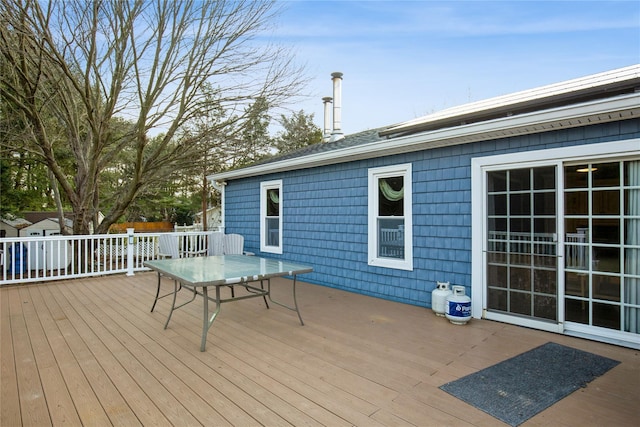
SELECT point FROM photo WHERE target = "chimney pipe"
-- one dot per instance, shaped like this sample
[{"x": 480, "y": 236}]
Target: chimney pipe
[
  {"x": 326, "y": 134},
  {"x": 337, "y": 106}
]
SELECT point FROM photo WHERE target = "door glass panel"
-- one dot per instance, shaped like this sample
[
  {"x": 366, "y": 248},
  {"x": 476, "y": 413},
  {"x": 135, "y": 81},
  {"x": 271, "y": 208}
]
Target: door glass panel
[
  {"x": 544, "y": 203},
  {"x": 520, "y": 204},
  {"x": 606, "y": 315},
  {"x": 575, "y": 176},
  {"x": 544, "y": 178},
  {"x": 497, "y": 204},
  {"x": 521, "y": 226},
  {"x": 606, "y": 287},
  {"x": 497, "y": 181},
  {"x": 606, "y": 230},
  {"x": 520, "y": 278},
  {"x": 544, "y": 281},
  {"x": 521, "y": 242},
  {"x": 606, "y": 174},
  {"x": 576, "y": 203},
  {"x": 576, "y": 311},
  {"x": 498, "y": 224},
  {"x": 602, "y": 245},
  {"x": 497, "y": 275},
  {"x": 605, "y": 259},
  {"x": 520, "y": 303},
  {"x": 576, "y": 284},
  {"x": 606, "y": 202},
  {"x": 631, "y": 278},
  {"x": 519, "y": 179},
  {"x": 497, "y": 299},
  {"x": 545, "y": 306}
]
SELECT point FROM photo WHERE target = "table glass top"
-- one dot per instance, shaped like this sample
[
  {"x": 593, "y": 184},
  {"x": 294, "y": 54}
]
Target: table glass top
[{"x": 217, "y": 270}]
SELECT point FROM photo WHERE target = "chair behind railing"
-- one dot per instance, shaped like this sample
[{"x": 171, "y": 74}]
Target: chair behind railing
[{"x": 576, "y": 254}]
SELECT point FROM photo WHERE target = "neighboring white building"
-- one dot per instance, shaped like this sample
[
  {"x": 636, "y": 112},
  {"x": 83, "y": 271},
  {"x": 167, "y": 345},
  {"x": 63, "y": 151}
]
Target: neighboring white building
[
  {"x": 214, "y": 218},
  {"x": 10, "y": 227},
  {"x": 46, "y": 227}
]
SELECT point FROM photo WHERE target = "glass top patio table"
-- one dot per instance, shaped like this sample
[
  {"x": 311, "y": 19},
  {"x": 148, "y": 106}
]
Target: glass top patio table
[{"x": 224, "y": 270}]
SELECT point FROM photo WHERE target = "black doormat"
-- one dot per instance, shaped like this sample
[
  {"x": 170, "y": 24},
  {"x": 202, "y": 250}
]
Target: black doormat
[{"x": 518, "y": 388}]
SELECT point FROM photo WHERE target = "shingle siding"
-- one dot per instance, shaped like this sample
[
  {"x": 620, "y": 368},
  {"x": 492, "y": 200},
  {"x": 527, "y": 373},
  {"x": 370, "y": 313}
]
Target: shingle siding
[{"x": 325, "y": 214}]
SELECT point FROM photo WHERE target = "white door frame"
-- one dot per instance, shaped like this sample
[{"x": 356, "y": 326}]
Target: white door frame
[{"x": 555, "y": 156}]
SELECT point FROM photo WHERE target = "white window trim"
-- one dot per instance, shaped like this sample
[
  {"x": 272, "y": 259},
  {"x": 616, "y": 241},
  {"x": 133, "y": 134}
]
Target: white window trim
[
  {"x": 383, "y": 172},
  {"x": 264, "y": 186}
]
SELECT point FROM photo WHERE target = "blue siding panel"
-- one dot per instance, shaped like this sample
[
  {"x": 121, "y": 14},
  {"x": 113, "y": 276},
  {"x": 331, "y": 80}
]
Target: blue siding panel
[{"x": 325, "y": 214}]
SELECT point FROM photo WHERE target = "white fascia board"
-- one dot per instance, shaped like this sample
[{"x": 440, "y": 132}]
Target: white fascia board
[{"x": 600, "y": 111}]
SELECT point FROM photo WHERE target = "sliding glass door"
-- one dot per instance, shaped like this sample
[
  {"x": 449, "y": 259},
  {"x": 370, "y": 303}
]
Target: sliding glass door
[
  {"x": 556, "y": 242},
  {"x": 562, "y": 248}
]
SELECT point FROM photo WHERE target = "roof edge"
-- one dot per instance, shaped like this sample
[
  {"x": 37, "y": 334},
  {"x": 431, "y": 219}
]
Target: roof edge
[
  {"x": 557, "y": 118},
  {"x": 605, "y": 84}
]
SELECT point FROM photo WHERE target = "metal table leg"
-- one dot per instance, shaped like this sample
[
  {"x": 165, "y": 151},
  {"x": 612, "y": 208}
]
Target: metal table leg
[
  {"x": 176, "y": 288},
  {"x": 295, "y": 301},
  {"x": 155, "y": 301},
  {"x": 206, "y": 320}
]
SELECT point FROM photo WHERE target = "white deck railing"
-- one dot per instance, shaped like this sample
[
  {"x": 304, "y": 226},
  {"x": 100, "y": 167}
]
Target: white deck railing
[
  {"x": 37, "y": 259},
  {"x": 521, "y": 243}
]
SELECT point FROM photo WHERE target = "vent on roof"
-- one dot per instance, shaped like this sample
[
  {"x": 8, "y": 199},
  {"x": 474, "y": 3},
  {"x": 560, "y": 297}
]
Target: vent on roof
[
  {"x": 334, "y": 133},
  {"x": 326, "y": 133}
]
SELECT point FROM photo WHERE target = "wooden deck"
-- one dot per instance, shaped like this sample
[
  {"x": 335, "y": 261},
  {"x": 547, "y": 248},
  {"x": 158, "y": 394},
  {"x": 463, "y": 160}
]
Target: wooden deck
[{"x": 89, "y": 352}]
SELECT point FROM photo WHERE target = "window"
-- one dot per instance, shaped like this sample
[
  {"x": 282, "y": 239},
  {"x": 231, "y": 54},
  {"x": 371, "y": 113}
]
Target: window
[
  {"x": 271, "y": 217},
  {"x": 390, "y": 218}
]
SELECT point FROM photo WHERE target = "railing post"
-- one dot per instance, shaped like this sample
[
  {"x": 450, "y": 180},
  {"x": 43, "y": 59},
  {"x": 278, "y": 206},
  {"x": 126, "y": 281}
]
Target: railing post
[{"x": 130, "y": 249}]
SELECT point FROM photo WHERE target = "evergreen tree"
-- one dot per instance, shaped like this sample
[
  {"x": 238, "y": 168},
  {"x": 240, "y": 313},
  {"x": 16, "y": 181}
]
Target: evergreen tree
[{"x": 299, "y": 131}]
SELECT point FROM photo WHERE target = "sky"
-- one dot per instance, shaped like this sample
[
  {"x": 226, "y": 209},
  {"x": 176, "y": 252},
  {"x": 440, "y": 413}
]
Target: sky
[{"x": 406, "y": 59}]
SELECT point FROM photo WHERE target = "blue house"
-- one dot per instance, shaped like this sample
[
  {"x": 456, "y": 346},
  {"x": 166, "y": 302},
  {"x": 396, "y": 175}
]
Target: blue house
[{"x": 531, "y": 201}]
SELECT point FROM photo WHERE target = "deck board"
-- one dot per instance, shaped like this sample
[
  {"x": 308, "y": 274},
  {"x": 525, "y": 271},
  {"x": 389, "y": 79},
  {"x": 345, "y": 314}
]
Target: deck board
[
  {"x": 58, "y": 380},
  {"x": 9, "y": 395},
  {"x": 89, "y": 352},
  {"x": 33, "y": 403}
]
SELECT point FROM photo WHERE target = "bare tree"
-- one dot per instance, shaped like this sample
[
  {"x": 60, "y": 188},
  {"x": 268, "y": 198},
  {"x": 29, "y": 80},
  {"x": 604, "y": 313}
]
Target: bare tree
[{"x": 149, "y": 64}]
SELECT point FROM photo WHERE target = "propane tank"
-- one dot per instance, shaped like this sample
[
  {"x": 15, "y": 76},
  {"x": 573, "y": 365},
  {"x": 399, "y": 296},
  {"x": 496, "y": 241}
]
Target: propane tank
[
  {"x": 439, "y": 298},
  {"x": 458, "y": 306}
]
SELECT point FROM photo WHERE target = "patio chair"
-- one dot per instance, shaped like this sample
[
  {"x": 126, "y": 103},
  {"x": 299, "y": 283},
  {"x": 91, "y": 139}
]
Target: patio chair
[
  {"x": 193, "y": 245},
  {"x": 167, "y": 248},
  {"x": 234, "y": 245},
  {"x": 216, "y": 244}
]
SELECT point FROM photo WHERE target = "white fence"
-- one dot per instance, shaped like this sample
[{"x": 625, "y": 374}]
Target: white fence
[{"x": 37, "y": 259}]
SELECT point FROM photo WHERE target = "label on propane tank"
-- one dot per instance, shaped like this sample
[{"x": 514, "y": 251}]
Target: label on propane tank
[{"x": 459, "y": 309}]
